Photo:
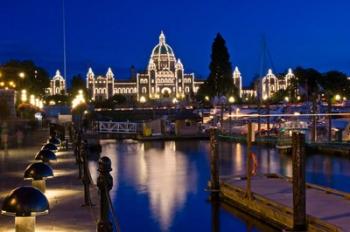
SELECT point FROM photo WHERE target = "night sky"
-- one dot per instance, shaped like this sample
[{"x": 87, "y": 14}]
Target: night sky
[{"x": 103, "y": 33}]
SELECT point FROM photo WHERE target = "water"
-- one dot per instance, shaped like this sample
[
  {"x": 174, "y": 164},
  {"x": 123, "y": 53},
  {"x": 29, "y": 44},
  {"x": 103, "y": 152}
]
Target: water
[{"x": 159, "y": 186}]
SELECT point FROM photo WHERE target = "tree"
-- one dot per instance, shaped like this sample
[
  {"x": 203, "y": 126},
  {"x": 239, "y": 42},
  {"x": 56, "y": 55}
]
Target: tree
[
  {"x": 220, "y": 80},
  {"x": 78, "y": 83},
  {"x": 5, "y": 109},
  {"x": 308, "y": 81},
  {"x": 58, "y": 99},
  {"x": 112, "y": 102},
  {"x": 333, "y": 83},
  {"x": 25, "y": 75}
]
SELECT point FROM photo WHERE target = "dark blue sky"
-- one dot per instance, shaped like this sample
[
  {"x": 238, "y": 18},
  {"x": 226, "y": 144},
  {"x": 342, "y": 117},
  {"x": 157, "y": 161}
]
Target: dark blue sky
[{"x": 312, "y": 33}]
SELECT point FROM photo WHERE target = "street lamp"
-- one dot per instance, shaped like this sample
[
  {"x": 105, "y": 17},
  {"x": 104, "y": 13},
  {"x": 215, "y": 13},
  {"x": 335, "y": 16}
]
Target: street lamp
[
  {"x": 142, "y": 99},
  {"x": 337, "y": 97},
  {"x": 24, "y": 97},
  {"x": 22, "y": 75},
  {"x": 231, "y": 100},
  {"x": 32, "y": 99},
  {"x": 222, "y": 102},
  {"x": 79, "y": 99}
]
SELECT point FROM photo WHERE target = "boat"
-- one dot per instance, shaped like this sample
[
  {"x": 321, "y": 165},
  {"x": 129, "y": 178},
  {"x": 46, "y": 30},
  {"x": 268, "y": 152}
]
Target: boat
[{"x": 284, "y": 137}]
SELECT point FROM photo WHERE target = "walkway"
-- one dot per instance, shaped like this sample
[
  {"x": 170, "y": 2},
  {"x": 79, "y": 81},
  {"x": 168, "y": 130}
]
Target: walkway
[{"x": 64, "y": 191}]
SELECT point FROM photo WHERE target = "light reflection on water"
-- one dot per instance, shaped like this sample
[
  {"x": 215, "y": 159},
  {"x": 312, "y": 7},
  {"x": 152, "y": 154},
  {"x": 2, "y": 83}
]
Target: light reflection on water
[{"x": 159, "y": 186}]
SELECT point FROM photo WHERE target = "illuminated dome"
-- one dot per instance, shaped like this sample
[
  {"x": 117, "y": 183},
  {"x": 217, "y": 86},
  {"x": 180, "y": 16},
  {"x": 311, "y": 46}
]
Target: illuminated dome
[{"x": 163, "y": 55}]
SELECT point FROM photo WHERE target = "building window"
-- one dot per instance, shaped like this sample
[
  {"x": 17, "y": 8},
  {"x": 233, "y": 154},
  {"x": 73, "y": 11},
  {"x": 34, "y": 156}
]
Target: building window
[{"x": 144, "y": 90}]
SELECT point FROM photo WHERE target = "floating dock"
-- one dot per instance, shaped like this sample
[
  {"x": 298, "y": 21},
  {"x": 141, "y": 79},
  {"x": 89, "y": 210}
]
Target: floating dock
[{"x": 326, "y": 209}]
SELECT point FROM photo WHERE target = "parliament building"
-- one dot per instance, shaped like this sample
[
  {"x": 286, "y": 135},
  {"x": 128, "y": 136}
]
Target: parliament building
[{"x": 164, "y": 77}]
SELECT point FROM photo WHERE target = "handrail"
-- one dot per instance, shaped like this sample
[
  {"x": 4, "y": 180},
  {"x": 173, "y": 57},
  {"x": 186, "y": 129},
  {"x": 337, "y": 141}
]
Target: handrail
[{"x": 112, "y": 210}]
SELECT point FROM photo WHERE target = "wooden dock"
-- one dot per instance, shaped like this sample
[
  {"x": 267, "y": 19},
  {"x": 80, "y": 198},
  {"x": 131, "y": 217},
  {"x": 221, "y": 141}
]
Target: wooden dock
[
  {"x": 334, "y": 148},
  {"x": 327, "y": 209}
]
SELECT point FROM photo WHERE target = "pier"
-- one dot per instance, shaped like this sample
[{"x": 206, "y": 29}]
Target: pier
[
  {"x": 327, "y": 209},
  {"x": 286, "y": 203}
]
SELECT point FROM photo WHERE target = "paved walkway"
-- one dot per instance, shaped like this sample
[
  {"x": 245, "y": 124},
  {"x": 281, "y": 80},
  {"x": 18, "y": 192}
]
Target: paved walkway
[
  {"x": 329, "y": 207},
  {"x": 64, "y": 191}
]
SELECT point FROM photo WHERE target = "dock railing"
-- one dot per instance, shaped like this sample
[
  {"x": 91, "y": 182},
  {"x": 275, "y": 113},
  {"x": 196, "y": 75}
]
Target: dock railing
[{"x": 103, "y": 186}]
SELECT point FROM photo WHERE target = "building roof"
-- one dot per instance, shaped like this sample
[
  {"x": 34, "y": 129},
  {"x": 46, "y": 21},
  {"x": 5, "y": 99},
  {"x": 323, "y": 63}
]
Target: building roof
[
  {"x": 340, "y": 123},
  {"x": 162, "y": 48}
]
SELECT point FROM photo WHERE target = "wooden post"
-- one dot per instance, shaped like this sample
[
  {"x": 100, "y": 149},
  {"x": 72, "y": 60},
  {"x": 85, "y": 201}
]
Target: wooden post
[
  {"x": 329, "y": 110},
  {"x": 268, "y": 117},
  {"x": 105, "y": 184},
  {"x": 215, "y": 216},
  {"x": 230, "y": 130},
  {"x": 299, "y": 195},
  {"x": 314, "y": 130},
  {"x": 249, "y": 162},
  {"x": 214, "y": 157},
  {"x": 259, "y": 118}
]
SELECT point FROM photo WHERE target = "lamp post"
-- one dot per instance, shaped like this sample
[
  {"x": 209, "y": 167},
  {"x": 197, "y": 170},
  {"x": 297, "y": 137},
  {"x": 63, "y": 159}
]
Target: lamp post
[
  {"x": 222, "y": 102},
  {"x": 25, "y": 203},
  {"x": 206, "y": 100},
  {"x": 38, "y": 173},
  {"x": 231, "y": 100},
  {"x": 266, "y": 100}
]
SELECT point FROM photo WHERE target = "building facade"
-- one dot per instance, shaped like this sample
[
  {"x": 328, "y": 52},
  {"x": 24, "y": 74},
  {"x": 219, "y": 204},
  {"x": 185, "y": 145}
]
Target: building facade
[
  {"x": 270, "y": 84},
  {"x": 164, "y": 77},
  {"x": 265, "y": 87},
  {"x": 57, "y": 85}
]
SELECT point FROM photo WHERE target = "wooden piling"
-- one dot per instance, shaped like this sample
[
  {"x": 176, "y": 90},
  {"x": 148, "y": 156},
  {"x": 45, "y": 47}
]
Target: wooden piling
[
  {"x": 314, "y": 120},
  {"x": 249, "y": 162},
  {"x": 214, "y": 157},
  {"x": 299, "y": 196}
]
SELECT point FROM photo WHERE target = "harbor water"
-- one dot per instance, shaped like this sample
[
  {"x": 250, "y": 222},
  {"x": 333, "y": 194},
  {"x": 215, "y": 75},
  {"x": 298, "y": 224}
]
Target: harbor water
[{"x": 160, "y": 186}]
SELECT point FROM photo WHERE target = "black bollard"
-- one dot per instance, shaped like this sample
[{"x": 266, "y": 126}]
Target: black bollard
[
  {"x": 105, "y": 184},
  {"x": 86, "y": 177},
  {"x": 78, "y": 155},
  {"x": 67, "y": 143},
  {"x": 214, "y": 159},
  {"x": 299, "y": 201}
]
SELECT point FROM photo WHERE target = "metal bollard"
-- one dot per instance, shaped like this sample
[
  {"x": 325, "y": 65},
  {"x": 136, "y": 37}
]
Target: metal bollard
[
  {"x": 67, "y": 143},
  {"x": 78, "y": 156},
  {"x": 105, "y": 184},
  {"x": 86, "y": 179}
]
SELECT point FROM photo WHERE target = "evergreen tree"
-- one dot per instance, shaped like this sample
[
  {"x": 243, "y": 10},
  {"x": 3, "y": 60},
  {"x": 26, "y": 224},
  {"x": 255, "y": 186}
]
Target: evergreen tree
[
  {"x": 26, "y": 75},
  {"x": 78, "y": 83},
  {"x": 220, "y": 80}
]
